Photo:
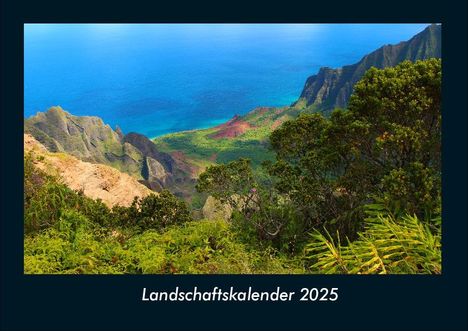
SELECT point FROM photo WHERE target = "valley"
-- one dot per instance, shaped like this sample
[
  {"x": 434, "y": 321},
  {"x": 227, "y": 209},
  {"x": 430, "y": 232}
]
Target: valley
[{"x": 318, "y": 186}]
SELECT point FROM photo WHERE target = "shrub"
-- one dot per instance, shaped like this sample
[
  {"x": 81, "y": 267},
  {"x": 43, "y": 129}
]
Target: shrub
[
  {"x": 387, "y": 144},
  {"x": 200, "y": 247},
  {"x": 152, "y": 212},
  {"x": 45, "y": 198}
]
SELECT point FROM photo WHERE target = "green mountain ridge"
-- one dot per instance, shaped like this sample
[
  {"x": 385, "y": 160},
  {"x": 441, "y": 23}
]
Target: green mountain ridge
[
  {"x": 331, "y": 88},
  {"x": 173, "y": 161},
  {"x": 357, "y": 192},
  {"x": 328, "y": 89},
  {"x": 90, "y": 140}
]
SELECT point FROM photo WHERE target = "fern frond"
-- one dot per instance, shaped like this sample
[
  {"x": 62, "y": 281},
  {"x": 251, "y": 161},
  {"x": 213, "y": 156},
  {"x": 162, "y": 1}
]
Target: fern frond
[{"x": 386, "y": 246}]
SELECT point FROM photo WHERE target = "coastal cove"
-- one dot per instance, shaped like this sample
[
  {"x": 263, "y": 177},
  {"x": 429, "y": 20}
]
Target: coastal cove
[
  {"x": 356, "y": 156},
  {"x": 157, "y": 79}
]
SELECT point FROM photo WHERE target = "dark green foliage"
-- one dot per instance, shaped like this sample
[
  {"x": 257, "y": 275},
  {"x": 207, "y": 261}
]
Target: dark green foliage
[
  {"x": 387, "y": 145},
  {"x": 153, "y": 212},
  {"x": 306, "y": 168},
  {"x": 386, "y": 246},
  {"x": 414, "y": 189},
  {"x": 294, "y": 139},
  {"x": 256, "y": 209},
  {"x": 385, "y": 148},
  {"x": 228, "y": 182},
  {"x": 364, "y": 182}
]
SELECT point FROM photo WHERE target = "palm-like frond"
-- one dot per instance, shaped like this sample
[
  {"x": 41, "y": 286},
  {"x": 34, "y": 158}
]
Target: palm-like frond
[{"x": 386, "y": 246}]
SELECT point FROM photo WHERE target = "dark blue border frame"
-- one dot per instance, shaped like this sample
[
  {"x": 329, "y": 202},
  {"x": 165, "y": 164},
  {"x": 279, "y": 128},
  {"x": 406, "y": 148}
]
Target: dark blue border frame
[{"x": 113, "y": 302}]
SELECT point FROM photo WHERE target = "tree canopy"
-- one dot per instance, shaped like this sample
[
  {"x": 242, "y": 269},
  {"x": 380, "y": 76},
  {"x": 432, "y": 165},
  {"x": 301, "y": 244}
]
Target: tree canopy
[{"x": 385, "y": 148}]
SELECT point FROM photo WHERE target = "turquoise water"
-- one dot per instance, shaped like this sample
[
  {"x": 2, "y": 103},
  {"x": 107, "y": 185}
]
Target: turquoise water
[{"x": 161, "y": 78}]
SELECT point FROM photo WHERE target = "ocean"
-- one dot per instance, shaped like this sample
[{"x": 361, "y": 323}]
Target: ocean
[{"x": 156, "y": 79}]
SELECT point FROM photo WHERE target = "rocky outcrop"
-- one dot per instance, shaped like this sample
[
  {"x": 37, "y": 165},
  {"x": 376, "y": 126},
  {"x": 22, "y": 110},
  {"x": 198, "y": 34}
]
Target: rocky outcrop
[
  {"x": 148, "y": 149},
  {"x": 156, "y": 171},
  {"x": 89, "y": 139},
  {"x": 97, "y": 181},
  {"x": 331, "y": 88},
  {"x": 85, "y": 137},
  {"x": 214, "y": 209}
]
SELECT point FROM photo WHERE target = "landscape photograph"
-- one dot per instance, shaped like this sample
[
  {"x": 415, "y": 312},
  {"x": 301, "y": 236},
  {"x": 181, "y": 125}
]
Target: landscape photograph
[{"x": 232, "y": 148}]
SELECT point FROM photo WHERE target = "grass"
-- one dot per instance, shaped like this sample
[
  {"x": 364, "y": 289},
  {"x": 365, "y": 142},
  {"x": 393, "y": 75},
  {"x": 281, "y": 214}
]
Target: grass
[{"x": 202, "y": 150}]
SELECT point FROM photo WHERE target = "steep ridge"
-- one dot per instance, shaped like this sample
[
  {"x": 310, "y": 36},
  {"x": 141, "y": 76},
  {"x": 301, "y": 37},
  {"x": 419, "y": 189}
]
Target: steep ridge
[
  {"x": 89, "y": 139},
  {"x": 85, "y": 137},
  {"x": 147, "y": 148},
  {"x": 160, "y": 170},
  {"x": 247, "y": 135},
  {"x": 331, "y": 88},
  {"x": 174, "y": 161},
  {"x": 97, "y": 181}
]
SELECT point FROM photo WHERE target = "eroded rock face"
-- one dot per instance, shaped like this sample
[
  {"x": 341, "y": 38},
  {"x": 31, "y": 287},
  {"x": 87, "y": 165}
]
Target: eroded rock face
[
  {"x": 148, "y": 148},
  {"x": 156, "y": 171},
  {"x": 215, "y": 210},
  {"x": 331, "y": 88},
  {"x": 85, "y": 137},
  {"x": 97, "y": 181},
  {"x": 90, "y": 140}
]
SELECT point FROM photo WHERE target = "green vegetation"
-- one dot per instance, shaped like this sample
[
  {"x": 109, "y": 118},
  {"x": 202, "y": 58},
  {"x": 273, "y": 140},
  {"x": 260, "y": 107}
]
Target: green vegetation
[
  {"x": 323, "y": 92},
  {"x": 332, "y": 88},
  {"x": 66, "y": 232},
  {"x": 356, "y": 192},
  {"x": 387, "y": 246},
  {"x": 85, "y": 137},
  {"x": 45, "y": 198},
  {"x": 202, "y": 150},
  {"x": 383, "y": 151}
]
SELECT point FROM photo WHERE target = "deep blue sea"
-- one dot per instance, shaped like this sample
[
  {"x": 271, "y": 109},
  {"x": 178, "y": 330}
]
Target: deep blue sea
[{"x": 161, "y": 78}]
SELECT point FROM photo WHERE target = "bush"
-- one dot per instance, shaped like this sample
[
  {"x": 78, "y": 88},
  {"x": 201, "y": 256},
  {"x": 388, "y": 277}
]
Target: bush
[
  {"x": 387, "y": 144},
  {"x": 200, "y": 247},
  {"x": 152, "y": 212},
  {"x": 72, "y": 246},
  {"x": 45, "y": 198}
]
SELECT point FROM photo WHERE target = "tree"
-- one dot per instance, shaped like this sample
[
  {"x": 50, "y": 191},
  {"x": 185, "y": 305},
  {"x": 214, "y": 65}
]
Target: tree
[
  {"x": 231, "y": 183},
  {"x": 254, "y": 206},
  {"x": 385, "y": 146},
  {"x": 153, "y": 212}
]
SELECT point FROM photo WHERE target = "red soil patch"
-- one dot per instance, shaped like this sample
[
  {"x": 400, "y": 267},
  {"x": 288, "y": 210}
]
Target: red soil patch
[
  {"x": 232, "y": 128},
  {"x": 183, "y": 164},
  {"x": 178, "y": 155}
]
